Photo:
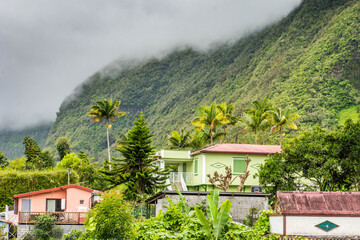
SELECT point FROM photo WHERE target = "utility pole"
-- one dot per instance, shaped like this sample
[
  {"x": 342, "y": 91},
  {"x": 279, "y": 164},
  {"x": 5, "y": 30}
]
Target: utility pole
[{"x": 69, "y": 173}]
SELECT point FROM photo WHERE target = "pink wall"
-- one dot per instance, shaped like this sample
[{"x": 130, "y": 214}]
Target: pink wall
[
  {"x": 38, "y": 202},
  {"x": 74, "y": 195}
]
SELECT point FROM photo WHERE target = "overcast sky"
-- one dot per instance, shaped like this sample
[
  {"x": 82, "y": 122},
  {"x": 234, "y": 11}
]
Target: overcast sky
[{"x": 48, "y": 47}]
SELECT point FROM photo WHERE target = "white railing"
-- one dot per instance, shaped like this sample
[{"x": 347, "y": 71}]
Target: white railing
[{"x": 179, "y": 177}]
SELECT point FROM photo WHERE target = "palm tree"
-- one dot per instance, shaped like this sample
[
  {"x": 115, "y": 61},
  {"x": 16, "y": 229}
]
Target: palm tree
[
  {"x": 283, "y": 119},
  {"x": 261, "y": 111},
  {"x": 109, "y": 111},
  {"x": 179, "y": 140},
  {"x": 253, "y": 122},
  {"x": 209, "y": 117},
  {"x": 226, "y": 112}
]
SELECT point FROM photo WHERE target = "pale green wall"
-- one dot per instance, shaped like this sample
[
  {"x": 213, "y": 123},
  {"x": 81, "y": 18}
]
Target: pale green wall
[
  {"x": 178, "y": 157},
  {"x": 226, "y": 159}
]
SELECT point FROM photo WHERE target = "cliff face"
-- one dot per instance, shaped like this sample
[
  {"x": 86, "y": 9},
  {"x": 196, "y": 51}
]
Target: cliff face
[{"x": 309, "y": 60}]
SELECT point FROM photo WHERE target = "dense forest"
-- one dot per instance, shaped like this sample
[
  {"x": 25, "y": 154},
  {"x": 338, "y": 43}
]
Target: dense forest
[
  {"x": 11, "y": 141},
  {"x": 308, "y": 60}
]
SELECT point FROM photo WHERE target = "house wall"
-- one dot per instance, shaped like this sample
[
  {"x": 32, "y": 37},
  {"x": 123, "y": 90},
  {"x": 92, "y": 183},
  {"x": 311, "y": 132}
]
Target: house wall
[
  {"x": 38, "y": 202},
  {"x": 218, "y": 161},
  {"x": 74, "y": 195},
  {"x": 174, "y": 154},
  {"x": 306, "y": 225}
]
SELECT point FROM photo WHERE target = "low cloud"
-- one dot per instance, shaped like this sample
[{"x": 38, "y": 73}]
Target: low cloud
[{"x": 47, "y": 48}]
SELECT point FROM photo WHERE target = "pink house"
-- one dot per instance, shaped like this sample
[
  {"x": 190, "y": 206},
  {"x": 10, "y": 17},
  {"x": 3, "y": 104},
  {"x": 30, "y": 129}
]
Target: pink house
[{"x": 68, "y": 203}]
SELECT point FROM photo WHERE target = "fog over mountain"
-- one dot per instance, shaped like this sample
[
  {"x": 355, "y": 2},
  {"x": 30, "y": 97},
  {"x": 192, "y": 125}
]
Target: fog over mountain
[{"x": 47, "y": 48}]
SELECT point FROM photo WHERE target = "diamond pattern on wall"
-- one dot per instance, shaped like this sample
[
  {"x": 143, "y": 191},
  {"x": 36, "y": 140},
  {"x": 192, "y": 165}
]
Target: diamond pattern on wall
[
  {"x": 327, "y": 226},
  {"x": 218, "y": 165}
]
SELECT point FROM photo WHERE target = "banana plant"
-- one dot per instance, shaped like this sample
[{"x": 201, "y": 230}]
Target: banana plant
[{"x": 217, "y": 217}]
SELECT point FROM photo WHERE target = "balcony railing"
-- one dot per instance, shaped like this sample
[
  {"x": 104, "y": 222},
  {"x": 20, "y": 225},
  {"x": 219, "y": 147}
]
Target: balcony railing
[
  {"x": 177, "y": 177},
  {"x": 61, "y": 217}
]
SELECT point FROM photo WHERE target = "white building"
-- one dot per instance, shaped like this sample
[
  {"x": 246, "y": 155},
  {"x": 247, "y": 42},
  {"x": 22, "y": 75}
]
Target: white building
[{"x": 317, "y": 214}]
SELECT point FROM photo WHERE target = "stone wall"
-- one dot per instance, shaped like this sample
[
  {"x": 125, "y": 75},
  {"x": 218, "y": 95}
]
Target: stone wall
[
  {"x": 240, "y": 202},
  {"x": 23, "y": 229}
]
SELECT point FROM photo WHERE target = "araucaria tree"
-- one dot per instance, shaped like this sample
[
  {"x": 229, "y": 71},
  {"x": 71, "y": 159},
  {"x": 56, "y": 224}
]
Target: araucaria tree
[
  {"x": 109, "y": 111},
  {"x": 136, "y": 170},
  {"x": 35, "y": 158}
]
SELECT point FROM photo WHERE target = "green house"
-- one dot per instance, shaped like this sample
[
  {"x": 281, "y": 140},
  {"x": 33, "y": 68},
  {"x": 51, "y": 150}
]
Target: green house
[{"x": 189, "y": 170}]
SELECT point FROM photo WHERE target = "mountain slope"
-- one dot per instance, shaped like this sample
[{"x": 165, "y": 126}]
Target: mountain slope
[
  {"x": 310, "y": 60},
  {"x": 11, "y": 141}
]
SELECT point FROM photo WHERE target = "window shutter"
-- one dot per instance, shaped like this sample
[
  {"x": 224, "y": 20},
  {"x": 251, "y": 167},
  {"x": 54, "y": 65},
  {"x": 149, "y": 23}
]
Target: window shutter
[{"x": 239, "y": 165}]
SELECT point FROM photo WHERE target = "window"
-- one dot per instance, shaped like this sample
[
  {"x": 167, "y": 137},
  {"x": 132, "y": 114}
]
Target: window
[
  {"x": 81, "y": 201},
  {"x": 53, "y": 205},
  {"x": 239, "y": 165},
  {"x": 26, "y": 205},
  {"x": 196, "y": 165}
]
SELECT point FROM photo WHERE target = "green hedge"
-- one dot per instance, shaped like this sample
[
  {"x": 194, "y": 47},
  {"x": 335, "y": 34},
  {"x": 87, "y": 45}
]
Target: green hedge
[{"x": 16, "y": 182}]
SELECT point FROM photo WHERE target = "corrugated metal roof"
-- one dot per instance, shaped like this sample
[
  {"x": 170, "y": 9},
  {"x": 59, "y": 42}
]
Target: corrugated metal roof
[
  {"x": 241, "y": 148},
  {"x": 319, "y": 203}
]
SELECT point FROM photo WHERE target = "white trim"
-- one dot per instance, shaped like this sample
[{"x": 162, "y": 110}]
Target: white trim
[
  {"x": 203, "y": 169},
  {"x": 162, "y": 153},
  {"x": 189, "y": 154}
]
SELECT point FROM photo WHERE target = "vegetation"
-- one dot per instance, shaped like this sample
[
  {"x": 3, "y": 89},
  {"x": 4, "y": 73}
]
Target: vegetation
[
  {"x": 109, "y": 111},
  {"x": 283, "y": 119},
  {"x": 217, "y": 218},
  {"x": 180, "y": 140},
  {"x": 87, "y": 170},
  {"x": 3, "y": 161},
  {"x": 11, "y": 141},
  {"x": 209, "y": 119},
  {"x": 35, "y": 158},
  {"x": 44, "y": 229},
  {"x": 111, "y": 218},
  {"x": 308, "y": 61},
  {"x": 63, "y": 147},
  {"x": 315, "y": 160},
  {"x": 136, "y": 169}
]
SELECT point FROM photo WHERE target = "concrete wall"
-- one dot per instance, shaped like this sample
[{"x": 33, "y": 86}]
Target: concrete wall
[
  {"x": 23, "y": 229},
  {"x": 240, "y": 205}
]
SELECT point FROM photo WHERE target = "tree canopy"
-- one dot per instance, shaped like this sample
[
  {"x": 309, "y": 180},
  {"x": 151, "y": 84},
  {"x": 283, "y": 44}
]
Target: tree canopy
[{"x": 316, "y": 160}]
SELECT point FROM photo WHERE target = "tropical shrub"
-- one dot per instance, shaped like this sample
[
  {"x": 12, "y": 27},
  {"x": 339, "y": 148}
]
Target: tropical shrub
[{"x": 111, "y": 218}]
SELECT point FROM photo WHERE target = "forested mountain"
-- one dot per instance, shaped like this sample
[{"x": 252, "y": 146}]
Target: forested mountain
[
  {"x": 11, "y": 141},
  {"x": 309, "y": 60}
]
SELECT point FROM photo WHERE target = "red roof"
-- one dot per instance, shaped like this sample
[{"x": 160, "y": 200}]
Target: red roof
[
  {"x": 319, "y": 203},
  {"x": 53, "y": 190},
  {"x": 241, "y": 148}
]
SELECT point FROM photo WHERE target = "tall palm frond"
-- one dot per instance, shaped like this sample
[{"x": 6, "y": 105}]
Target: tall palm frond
[{"x": 109, "y": 111}]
